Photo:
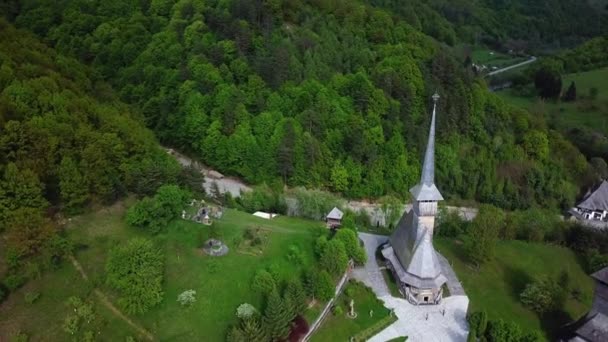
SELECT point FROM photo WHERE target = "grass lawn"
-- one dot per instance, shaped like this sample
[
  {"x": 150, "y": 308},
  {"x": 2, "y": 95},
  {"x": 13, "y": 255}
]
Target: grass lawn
[
  {"x": 495, "y": 288},
  {"x": 221, "y": 283},
  {"x": 490, "y": 58},
  {"x": 592, "y": 114},
  {"x": 389, "y": 278},
  {"x": 340, "y": 327}
]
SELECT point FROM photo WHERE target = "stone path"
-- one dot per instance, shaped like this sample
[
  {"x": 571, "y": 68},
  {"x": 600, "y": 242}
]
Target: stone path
[
  {"x": 454, "y": 284},
  {"x": 370, "y": 273},
  {"x": 444, "y": 322},
  {"x": 414, "y": 324}
]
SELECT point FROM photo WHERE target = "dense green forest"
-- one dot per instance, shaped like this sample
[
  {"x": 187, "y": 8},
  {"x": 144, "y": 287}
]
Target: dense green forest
[
  {"x": 65, "y": 142},
  {"x": 508, "y": 24},
  {"x": 330, "y": 94}
]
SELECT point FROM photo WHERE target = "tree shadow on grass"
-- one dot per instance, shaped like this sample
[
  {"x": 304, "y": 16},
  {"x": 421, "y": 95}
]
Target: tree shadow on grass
[
  {"x": 517, "y": 279},
  {"x": 554, "y": 324},
  {"x": 456, "y": 247}
]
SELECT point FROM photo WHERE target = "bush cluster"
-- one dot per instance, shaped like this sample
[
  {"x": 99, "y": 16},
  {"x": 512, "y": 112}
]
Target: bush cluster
[
  {"x": 135, "y": 269},
  {"x": 484, "y": 329},
  {"x": 154, "y": 213}
]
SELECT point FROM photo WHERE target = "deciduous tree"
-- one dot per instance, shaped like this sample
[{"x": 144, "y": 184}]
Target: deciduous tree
[
  {"x": 135, "y": 269},
  {"x": 483, "y": 234}
]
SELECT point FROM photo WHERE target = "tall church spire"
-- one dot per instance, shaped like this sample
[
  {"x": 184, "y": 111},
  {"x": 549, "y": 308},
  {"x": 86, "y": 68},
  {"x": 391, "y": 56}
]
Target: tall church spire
[
  {"x": 428, "y": 167},
  {"x": 426, "y": 190}
]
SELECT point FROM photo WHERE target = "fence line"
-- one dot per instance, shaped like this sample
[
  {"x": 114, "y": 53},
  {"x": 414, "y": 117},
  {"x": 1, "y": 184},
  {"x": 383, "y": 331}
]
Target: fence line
[{"x": 321, "y": 317}]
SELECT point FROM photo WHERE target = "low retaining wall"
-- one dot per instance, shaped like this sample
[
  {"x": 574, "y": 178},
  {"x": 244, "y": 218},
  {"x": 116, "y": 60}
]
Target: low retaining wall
[{"x": 323, "y": 314}]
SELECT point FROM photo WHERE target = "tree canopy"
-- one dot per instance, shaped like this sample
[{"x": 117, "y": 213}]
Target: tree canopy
[{"x": 330, "y": 95}]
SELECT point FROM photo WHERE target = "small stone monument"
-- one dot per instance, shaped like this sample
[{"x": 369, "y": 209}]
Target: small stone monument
[
  {"x": 183, "y": 214},
  {"x": 351, "y": 310},
  {"x": 206, "y": 220}
]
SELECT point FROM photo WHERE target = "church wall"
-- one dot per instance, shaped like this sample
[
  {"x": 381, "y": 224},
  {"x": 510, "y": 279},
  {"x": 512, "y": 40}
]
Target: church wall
[
  {"x": 426, "y": 208},
  {"x": 428, "y": 222}
]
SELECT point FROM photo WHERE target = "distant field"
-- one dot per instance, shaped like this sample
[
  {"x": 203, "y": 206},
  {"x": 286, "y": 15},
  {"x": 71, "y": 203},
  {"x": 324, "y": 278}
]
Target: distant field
[
  {"x": 491, "y": 58},
  {"x": 221, "y": 283},
  {"x": 581, "y": 113},
  {"x": 495, "y": 288}
]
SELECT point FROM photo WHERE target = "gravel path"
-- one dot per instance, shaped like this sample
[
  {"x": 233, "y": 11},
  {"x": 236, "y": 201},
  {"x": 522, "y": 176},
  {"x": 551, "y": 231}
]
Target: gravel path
[{"x": 227, "y": 184}]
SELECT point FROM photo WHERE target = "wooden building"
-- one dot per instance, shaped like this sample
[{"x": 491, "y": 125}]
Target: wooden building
[
  {"x": 594, "y": 206},
  {"x": 334, "y": 218},
  {"x": 410, "y": 253}
]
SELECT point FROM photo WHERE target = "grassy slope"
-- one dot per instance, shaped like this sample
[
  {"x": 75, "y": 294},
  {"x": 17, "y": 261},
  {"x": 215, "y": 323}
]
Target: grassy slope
[
  {"x": 43, "y": 320},
  {"x": 341, "y": 328},
  {"x": 569, "y": 115},
  {"x": 495, "y": 288},
  {"x": 221, "y": 283}
]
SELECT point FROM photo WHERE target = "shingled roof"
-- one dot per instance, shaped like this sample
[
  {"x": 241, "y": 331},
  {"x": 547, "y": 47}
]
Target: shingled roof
[
  {"x": 592, "y": 328},
  {"x": 412, "y": 254},
  {"x": 426, "y": 190},
  {"x": 601, "y": 275},
  {"x": 424, "y": 263},
  {"x": 597, "y": 199},
  {"x": 335, "y": 214}
]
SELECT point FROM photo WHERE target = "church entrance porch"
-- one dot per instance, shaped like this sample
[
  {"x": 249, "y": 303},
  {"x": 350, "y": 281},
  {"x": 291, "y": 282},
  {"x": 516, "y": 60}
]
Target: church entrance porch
[{"x": 422, "y": 296}]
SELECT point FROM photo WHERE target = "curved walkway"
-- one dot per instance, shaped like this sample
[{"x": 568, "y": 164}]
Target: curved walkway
[
  {"x": 444, "y": 322},
  {"x": 370, "y": 274}
]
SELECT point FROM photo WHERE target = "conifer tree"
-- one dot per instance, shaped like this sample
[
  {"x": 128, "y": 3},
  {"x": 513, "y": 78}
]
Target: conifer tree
[
  {"x": 276, "y": 318},
  {"x": 252, "y": 330},
  {"x": 235, "y": 334},
  {"x": 325, "y": 287},
  {"x": 73, "y": 186},
  {"x": 295, "y": 298}
]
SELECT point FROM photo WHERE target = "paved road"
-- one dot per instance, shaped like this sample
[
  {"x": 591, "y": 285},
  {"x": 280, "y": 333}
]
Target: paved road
[
  {"x": 495, "y": 72},
  {"x": 444, "y": 322}
]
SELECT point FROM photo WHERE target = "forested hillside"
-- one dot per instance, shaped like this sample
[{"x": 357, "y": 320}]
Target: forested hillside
[
  {"x": 330, "y": 94},
  {"x": 65, "y": 142},
  {"x": 528, "y": 24}
]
